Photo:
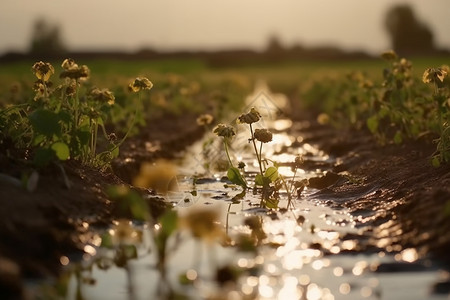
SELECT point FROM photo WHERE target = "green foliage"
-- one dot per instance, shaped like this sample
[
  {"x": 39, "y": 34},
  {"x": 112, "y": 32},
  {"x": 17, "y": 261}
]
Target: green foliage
[
  {"x": 129, "y": 202},
  {"x": 268, "y": 180},
  {"x": 235, "y": 176},
  {"x": 66, "y": 121},
  {"x": 397, "y": 108}
]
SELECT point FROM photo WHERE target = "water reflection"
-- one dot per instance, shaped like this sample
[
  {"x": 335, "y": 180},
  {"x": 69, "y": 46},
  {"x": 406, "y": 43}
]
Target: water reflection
[{"x": 222, "y": 246}]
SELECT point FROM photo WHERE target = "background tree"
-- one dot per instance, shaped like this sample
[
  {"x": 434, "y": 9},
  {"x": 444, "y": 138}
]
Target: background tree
[
  {"x": 46, "y": 40},
  {"x": 408, "y": 34}
]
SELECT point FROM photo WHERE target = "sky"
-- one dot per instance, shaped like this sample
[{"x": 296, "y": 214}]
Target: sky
[{"x": 214, "y": 24}]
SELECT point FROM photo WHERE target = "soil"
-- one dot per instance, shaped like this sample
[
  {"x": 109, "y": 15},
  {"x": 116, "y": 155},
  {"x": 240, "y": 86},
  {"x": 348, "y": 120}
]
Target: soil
[{"x": 394, "y": 183}]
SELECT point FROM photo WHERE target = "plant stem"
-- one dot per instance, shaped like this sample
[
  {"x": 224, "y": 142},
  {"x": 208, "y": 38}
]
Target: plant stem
[
  {"x": 226, "y": 151},
  {"x": 94, "y": 133},
  {"x": 75, "y": 107},
  {"x": 133, "y": 120},
  {"x": 228, "y": 216},
  {"x": 258, "y": 156}
]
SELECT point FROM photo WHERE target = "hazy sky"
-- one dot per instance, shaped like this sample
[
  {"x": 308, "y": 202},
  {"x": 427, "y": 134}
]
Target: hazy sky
[{"x": 214, "y": 24}]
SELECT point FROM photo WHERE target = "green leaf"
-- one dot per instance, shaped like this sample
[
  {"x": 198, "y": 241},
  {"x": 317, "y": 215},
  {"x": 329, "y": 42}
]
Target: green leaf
[
  {"x": 235, "y": 177},
  {"x": 262, "y": 180},
  {"x": 128, "y": 202},
  {"x": 138, "y": 207},
  {"x": 372, "y": 124},
  {"x": 271, "y": 173},
  {"x": 45, "y": 122},
  {"x": 272, "y": 203},
  {"x": 435, "y": 161},
  {"x": 38, "y": 139},
  {"x": 107, "y": 240},
  {"x": 115, "y": 152},
  {"x": 61, "y": 150},
  {"x": 169, "y": 222},
  {"x": 65, "y": 117},
  {"x": 43, "y": 157},
  {"x": 398, "y": 139},
  {"x": 259, "y": 180}
]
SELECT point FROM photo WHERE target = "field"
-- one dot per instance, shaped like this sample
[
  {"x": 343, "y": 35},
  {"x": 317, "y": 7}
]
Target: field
[{"x": 89, "y": 154}]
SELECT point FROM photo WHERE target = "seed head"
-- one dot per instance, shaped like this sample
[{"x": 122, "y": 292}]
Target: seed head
[
  {"x": 43, "y": 70},
  {"x": 433, "y": 75},
  {"x": 103, "y": 96},
  {"x": 204, "y": 119},
  {"x": 75, "y": 72},
  {"x": 298, "y": 161},
  {"x": 39, "y": 88},
  {"x": 252, "y": 116},
  {"x": 263, "y": 135},
  {"x": 140, "y": 83},
  {"x": 225, "y": 131},
  {"x": 69, "y": 64},
  {"x": 389, "y": 55}
]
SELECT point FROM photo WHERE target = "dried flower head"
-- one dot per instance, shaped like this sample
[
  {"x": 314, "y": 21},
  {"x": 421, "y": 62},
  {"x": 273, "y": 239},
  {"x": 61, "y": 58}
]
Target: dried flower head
[
  {"x": 69, "y": 64},
  {"x": 43, "y": 70},
  {"x": 434, "y": 75},
  {"x": 225, "y": 131},
  {"x": 252, "y": 116},
  {"x": 40, "y": 90},
  {"x": 140, "y": 83},
  {"x": 298, "y": 161},
  {"x": 241, "y": 165},
  {"x": 103, "y": 96},
  {"x": 263, "y": 135},
  {"x": 204, "y": 119},
  {"x": 71, "y": 89},
  {"x": 389, "y": 55},
  {"x": 76, "y": 72}
]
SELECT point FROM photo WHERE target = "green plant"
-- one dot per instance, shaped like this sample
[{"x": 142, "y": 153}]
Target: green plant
[
  {"x": 395, "y": 109},
  {"x": 66, "y": 121},
  {"x": 436, "y": 76},
  {"x": 268, "y": 180}
]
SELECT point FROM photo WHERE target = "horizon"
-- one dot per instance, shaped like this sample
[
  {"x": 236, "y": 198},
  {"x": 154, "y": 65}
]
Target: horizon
[{"x": 201, "y": 25}]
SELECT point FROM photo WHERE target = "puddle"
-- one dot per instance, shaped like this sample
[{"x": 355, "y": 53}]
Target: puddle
[{"x": 306, "y": 252}]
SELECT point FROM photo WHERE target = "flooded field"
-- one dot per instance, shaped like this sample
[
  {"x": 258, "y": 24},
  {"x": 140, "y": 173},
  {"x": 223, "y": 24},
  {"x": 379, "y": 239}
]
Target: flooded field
[{"x": 306, "y": 245}]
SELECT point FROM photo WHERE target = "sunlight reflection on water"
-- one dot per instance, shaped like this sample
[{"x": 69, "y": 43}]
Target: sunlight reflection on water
[{"x": 301, "y": 254}]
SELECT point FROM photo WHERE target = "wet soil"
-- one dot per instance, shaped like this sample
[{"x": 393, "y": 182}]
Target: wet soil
[
  {"x": 38, "y": 227},
  {"x": 394, "y": 188},
  {"x": 396, "y": 194}
]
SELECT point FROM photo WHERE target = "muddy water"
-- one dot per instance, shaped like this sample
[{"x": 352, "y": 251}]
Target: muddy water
[{"x": 306, "y": 252}]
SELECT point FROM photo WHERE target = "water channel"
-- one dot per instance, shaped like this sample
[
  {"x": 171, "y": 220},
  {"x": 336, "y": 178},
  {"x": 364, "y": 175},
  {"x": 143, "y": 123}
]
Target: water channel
[{"x": 301, "y": 253}]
